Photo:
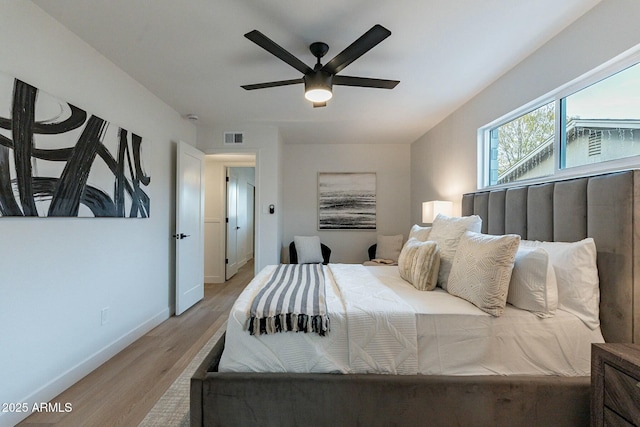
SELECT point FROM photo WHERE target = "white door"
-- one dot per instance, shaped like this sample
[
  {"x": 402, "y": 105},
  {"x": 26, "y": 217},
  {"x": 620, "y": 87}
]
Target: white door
[
  {"x": 189, "y": 227},
  {"x": 232, "y": 225}
]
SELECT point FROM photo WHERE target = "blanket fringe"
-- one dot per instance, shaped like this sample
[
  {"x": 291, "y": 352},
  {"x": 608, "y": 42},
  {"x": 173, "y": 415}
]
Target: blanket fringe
[{"x": 290, "y": 322}]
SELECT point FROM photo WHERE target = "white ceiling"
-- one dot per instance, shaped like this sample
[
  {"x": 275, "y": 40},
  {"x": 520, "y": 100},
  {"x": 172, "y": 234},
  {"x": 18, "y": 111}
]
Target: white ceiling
[{"x": 193, "y": 56}]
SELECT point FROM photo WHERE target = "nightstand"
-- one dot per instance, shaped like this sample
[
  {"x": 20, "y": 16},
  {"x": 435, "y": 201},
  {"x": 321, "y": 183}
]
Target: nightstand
[{"x": 615, "y": 385}]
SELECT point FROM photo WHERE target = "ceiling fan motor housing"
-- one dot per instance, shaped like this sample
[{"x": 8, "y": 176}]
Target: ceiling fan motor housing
[
  {"x": 319, "y": 49},
  {"x": 318, "y": 86}
]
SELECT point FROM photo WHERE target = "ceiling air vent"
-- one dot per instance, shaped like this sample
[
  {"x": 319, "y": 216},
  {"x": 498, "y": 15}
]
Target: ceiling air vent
[{"x": 233, "y": 138}]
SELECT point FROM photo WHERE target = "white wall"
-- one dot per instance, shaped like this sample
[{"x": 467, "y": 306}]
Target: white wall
[
  {"x": 214, "y": 222},
  {"x": 57, "y": 274},
  {"x": 444, "y": 161},
  {"x": 266, "y": 143},
  {"x": 301, "y": 165}
]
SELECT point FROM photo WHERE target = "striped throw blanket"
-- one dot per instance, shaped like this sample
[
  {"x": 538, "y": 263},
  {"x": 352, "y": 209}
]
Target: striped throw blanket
[{"x": 292, "y": 299}]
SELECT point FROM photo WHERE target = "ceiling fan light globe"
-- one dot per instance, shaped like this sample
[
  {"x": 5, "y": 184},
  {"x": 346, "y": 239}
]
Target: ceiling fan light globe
[{"x": 318, "y": 95}]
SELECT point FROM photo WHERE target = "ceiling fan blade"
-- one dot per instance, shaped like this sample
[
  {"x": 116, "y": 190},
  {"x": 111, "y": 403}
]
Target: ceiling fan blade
[
  {"x": 319, "y": 104},
  {"x": 364, "y": 82},
  {"x": 272, "y": 84},
  {"x": 272, "y": 47},
  {"x": 355, "y": 50}
]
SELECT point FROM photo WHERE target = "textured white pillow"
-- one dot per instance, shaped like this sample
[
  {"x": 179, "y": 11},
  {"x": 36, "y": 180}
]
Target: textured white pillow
[
  {"x": 420, "y": 233},
  {"x": 418, "y": 264},
  {"x": 389, "y": 247},
  {"x": 533, "y": 284},
  {"x": 482, "y": 268},
  {"x": 447, "y": 232},
  {"x": 577, "y": 276},
  {"x": 308, "y": 249}
]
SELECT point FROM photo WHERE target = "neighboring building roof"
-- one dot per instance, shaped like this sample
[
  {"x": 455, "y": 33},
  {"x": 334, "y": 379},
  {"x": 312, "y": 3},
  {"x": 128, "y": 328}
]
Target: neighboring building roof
[{"x": 545, "y": 150}]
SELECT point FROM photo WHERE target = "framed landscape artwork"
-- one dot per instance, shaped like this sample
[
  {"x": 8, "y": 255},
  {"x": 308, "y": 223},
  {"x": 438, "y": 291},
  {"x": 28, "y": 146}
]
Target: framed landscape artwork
[
  {"x": 346, "y": 201},
  {"x": 57, "y": 160}
]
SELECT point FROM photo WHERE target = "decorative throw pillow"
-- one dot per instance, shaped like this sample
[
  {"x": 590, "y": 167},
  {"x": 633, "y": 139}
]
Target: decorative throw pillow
[
  {"x": 481, "y": 270},
  {"x": 533, "y": 285},
  {"x": 389, "y": 247},
  {"x": 420, "y": 233},
  {"x": 308, "y": 249},
  {"x": 577, "y": 276},
  {"x": 447, "y": 232},
  {"x": 419, "y": 263}
]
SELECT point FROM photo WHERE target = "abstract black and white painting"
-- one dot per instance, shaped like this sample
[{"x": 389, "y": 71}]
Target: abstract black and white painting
[
  {"x": 56, "y": 160},
  {"x": 346, "y": 201}
]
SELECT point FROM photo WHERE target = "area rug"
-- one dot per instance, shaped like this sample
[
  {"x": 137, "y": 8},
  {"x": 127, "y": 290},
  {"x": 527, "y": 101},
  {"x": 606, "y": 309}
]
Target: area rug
[{"x": 172, "y": 410}]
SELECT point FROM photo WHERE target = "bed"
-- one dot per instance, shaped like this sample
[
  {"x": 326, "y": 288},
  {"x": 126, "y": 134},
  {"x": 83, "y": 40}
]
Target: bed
[{"x": 601, "y": 207}]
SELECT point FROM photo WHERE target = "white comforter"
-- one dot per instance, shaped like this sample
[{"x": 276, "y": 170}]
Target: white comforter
[
  {"x": 372, "y": 330},
  {"x": 381, "y": 327},
  {"x": 382, "y": 324}
]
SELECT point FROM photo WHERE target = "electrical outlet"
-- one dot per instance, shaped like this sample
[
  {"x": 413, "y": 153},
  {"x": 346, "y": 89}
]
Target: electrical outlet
[{"x": 104, "y": 316}]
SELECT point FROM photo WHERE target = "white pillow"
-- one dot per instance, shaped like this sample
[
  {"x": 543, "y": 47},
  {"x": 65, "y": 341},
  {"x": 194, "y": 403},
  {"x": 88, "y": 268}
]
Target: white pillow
[
  {"x": 420, "y": 233},
  {"x": 577, "y": 276},
  {"x": 447, "y": 232},
  {"x": 533, "y": 285},
  {"x": 482, "y": 268},
  {"x": 308, "y": 249},
  {"x": 389, "y": 247},
  {"x": 418, "y": 264}
]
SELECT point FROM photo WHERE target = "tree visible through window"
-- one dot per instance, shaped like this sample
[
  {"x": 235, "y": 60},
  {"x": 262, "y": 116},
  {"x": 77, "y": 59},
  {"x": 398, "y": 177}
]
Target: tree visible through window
[{"x": 528, "y": 136}]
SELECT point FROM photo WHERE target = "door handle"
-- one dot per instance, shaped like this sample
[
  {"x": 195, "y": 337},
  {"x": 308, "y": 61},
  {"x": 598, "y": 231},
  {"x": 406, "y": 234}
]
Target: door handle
[{"x": 180, "y": 236}]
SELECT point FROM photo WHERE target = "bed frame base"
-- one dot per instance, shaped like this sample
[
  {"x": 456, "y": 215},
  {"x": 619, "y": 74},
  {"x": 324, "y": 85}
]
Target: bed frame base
[{"x": 282, "y": 399}]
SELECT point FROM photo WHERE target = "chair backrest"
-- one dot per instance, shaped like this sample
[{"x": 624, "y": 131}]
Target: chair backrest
[
  {"x": 293, "y": 254},
  {"x": 372, "y": 251}
]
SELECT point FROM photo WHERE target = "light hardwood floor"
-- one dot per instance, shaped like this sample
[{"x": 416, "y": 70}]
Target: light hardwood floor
[{"x": 125, "y": 388}]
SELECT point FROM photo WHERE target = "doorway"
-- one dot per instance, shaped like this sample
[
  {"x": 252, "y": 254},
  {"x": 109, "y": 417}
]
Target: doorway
[
  {"x": 240, "y": 219},
  {"x": 217, "y": 232}
]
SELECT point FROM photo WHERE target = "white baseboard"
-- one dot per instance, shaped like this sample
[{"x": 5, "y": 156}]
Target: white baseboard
[
  {"x": 82, "y": 369},
  {"x": 213, "y": 279}
]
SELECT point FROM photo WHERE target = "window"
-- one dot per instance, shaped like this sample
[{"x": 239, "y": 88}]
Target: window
[
  {"x": 523, "y": 147},
  {"x": 603, "y": 120},
  {"x": 588, "y": 126}
]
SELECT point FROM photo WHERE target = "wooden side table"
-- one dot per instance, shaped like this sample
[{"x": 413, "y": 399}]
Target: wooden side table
[{"x": 615, "y": 385}]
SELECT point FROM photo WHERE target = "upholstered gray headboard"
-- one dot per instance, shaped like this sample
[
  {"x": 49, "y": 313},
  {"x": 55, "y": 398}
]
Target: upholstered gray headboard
[{"x": 605, "y": 207}]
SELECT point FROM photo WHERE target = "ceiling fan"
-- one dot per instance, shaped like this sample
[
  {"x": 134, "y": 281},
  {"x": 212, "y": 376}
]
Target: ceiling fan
[{"x": 319, "y": 80}]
